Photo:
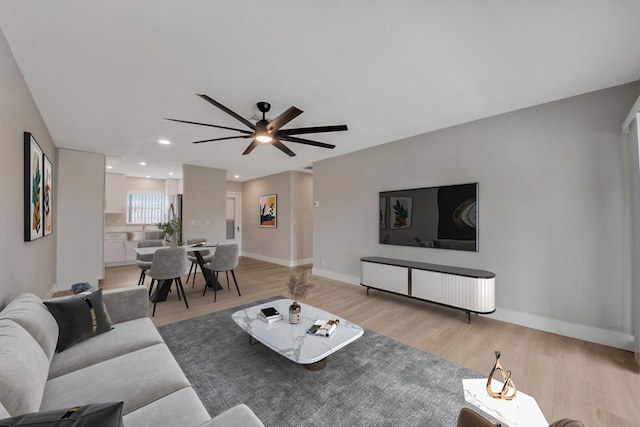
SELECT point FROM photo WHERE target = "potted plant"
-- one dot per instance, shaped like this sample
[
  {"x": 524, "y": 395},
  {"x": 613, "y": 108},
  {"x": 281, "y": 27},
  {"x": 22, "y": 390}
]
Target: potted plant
[
  {"x": 298, "y": 288},
  {"x": 172, "y": 230}
]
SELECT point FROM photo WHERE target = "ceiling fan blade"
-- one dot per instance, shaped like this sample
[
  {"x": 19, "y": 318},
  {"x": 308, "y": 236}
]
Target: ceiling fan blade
[
  {"x": 207, "y": 124},
  {"x": 315, "y": 129},
  {"x": 283, "y": 119},
  {"x": 223, "y": 139},
  {"x": 251, "y": 146},
  {"x": 228, "y": 111},
  {"x": 276, "y": 143},
  {"x": 307, "y": 142}
]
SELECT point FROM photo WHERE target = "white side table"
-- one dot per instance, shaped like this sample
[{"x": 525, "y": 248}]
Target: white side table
[{"x": 522, "y": 411}]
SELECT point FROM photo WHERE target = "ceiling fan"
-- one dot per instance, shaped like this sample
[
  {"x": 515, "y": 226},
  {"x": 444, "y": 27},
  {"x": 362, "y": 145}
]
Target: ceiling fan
[{"x": 267, "y": 132}]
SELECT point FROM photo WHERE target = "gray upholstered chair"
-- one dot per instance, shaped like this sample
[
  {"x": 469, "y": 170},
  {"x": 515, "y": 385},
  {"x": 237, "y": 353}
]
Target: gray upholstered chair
[
  {"x": 144, "y": 261},
  {"x": 206, "y": 255},
  {"x": 168, "y": 264},
  {"x": 225, "y": 258}
]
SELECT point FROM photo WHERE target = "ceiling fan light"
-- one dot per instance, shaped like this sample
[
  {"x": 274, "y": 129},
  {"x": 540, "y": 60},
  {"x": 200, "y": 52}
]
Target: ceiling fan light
[{"x": 264, "y": 138}]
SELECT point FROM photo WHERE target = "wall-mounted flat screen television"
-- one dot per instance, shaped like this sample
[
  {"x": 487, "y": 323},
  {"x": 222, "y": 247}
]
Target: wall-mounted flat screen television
[{"x": 443, "y": 217}]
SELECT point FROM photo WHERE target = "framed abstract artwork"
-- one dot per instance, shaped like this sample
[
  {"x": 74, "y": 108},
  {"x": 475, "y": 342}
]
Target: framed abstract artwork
[
  {"x": 268, "y": 211},
  {"x": 33, "y": 177},
  {"x": 47, "y": 197}
]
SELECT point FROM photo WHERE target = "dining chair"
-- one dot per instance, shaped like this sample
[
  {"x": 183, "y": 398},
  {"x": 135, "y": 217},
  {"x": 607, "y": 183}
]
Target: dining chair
[
  {"x": 167, "y": 266},
  {"x": 206, "y": 255},
  {"x": 144, "y": 261},
  {"x": 225, "y": 258}
]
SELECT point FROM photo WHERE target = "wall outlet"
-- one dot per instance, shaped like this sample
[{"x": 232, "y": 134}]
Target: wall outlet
[{"x": 316, "y": 204}]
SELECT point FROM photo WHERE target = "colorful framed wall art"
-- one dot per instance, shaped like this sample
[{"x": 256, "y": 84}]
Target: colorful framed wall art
[
  {"x": 268, "y": 211},
  {"x": 33, "y": 182}
]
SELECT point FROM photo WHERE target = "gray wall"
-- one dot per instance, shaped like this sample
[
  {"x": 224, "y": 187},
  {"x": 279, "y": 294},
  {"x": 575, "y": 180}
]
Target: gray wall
[
  {"x": 25, "y": 266},
  {"x": 553, "y": 210},
  {"x": 204, "y": 203},
  {"x": 80, "y": 223},
  {"x": 290, "y": 243},
  {"x": 302, "y": 218}
]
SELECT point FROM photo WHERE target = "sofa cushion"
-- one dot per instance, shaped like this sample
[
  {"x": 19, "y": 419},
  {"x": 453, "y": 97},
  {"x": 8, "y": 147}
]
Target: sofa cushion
[
  {"x": 27, "y": 311},
  {"x": 137, "y": 378},
  {"x": 79, "y": 318},
  {"x": 181, "y": 408},
  {"x": 23, "y": 369},
  {"x": 124, "y": 338},
  {"x": 93, "y": 415}
]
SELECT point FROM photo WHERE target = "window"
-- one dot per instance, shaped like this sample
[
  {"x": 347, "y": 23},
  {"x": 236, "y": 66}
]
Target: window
[{"x": 144, "y": 208}]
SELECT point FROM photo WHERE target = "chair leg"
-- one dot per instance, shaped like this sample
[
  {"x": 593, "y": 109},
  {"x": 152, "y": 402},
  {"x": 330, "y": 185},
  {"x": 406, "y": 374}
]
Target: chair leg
[
  {"x": 141, "y": 278},
  {"x": 227, "y": 273},
  {"x": 180, "y": 288},
  {"x": 177, "y": 288},
  {"x": 215, "y": 288},
  {"x": 189, "y": 275},
  {"x": 236, "y": 282},
  {"x": 151, "y": 287}
]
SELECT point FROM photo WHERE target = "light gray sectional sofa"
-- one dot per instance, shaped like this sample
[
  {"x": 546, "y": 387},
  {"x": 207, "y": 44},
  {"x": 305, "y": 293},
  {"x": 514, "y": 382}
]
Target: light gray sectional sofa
[{"x": 129, "y": 363}]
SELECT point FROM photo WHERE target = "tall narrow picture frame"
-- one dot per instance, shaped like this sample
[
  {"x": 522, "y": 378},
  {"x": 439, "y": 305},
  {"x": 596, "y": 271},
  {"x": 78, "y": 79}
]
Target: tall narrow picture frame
[
  {"x": 33, "y": 170},
  {"x": 47, "y": 197},
  {"x": 268, "y": 211}
]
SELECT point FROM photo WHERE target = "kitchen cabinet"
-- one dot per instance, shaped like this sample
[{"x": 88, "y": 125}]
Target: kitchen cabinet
[
  {"x": 114, "y": 247},
  {"x": 130, "y": 253},
  {"x": 115, "y": 192}
]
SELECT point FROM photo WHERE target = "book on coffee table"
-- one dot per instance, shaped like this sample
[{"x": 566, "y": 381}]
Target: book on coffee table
[
  {"x": 269, "y": 314},
  {"x": 323, "y": 328}
]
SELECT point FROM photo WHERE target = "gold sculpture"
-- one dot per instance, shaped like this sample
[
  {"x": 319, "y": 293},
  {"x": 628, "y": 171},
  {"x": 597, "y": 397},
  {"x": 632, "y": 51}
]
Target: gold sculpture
[{"x": 506, "y": 379}]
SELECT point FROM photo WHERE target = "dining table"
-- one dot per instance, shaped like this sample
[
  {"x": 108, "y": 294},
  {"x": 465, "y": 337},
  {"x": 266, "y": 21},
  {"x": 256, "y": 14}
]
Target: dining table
[{"x": 163, "y": 288}]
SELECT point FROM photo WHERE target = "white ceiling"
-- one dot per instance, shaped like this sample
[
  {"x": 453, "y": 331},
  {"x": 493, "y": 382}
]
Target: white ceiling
[{"x": 105, "y": 73}]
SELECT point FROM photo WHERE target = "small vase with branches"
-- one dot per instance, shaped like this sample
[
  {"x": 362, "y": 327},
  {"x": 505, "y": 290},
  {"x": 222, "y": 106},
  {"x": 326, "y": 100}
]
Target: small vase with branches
[{"x": 298, "y": 287}]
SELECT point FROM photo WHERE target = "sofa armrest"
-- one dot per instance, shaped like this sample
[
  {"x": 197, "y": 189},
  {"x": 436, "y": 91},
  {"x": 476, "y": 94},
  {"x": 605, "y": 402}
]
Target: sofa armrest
[
  {"x": 126, "y": 303},
  {"x": 238, "y": 416}
]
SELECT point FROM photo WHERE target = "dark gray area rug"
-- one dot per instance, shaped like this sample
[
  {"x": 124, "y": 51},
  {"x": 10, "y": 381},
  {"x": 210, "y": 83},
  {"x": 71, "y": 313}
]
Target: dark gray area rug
[{"x": 375, "y": 381}]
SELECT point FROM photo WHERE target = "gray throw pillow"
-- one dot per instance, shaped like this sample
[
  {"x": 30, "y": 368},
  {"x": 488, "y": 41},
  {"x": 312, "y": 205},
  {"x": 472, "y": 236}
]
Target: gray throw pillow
[
  {"x": 92, "y": 415},
  {"x": 79, "y": 318}
]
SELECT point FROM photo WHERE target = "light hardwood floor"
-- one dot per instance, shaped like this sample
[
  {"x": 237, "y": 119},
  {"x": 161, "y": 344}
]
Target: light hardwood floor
[{"x": 569, "y": 378}]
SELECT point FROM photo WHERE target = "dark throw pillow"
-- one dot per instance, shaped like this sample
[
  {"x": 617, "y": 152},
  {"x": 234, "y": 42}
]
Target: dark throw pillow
[
  {"x": 79, "y": 318},
  {"x": 92, "y": 415}
]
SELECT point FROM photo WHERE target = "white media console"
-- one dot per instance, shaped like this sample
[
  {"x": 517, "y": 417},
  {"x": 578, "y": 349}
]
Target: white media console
[{"x": 472, "y": 291}]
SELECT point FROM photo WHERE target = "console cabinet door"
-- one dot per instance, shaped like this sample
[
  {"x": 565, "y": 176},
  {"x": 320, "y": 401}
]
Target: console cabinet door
[{"x": 388, "y": 277}]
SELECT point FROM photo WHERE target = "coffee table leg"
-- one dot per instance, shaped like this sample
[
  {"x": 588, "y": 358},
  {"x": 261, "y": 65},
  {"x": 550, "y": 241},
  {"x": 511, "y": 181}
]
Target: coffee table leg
[
  {"x": 253, "y": 341},
  {"x": 319, "y": 365}
]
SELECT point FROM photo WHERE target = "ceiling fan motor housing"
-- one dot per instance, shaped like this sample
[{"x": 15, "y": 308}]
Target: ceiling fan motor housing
[{"x": 264, "y": 107}]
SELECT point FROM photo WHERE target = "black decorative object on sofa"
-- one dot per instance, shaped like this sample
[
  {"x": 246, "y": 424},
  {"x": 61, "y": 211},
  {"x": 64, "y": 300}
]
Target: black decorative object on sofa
[
  {"x": 79, "y": 318},
  {"x": 92, "y": 415}
]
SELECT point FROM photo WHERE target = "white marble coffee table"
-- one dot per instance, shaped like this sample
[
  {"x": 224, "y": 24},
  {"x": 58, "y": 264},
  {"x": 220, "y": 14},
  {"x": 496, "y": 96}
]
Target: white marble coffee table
[{"x": 292, "y": 340}]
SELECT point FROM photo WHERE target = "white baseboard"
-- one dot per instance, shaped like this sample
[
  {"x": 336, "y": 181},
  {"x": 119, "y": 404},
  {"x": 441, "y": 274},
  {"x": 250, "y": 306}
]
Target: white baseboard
[
  {"x": 352, "y": 280},
  {"x": 279, "y": 261},
  {"x": 582, "y": 332}
]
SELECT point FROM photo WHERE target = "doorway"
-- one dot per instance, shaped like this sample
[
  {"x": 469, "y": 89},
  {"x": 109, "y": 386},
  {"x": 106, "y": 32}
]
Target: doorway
[{"x": 234, "y": 219}]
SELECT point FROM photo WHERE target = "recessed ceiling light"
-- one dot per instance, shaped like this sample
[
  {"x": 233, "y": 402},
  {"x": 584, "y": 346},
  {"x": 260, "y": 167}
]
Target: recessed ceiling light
[
  {"x": 147, "y": 176},
  {"x": 170, "y": 173},
  {"x": 143, "y": 163},
  {"x": 236, "y": 176},
  {"x": 164, "y": 141},
  {"x": 109, "y": 167}
]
